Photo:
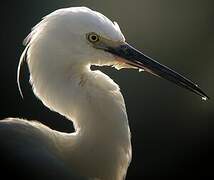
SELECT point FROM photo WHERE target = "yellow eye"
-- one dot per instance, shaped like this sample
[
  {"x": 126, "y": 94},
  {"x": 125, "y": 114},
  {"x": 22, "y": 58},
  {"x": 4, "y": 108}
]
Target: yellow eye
[{"x": 93, "y": 37}]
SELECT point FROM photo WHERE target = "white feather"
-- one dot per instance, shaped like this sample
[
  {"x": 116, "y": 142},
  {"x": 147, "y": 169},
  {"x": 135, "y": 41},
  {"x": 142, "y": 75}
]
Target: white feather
[{"x": 59, "y": 59}]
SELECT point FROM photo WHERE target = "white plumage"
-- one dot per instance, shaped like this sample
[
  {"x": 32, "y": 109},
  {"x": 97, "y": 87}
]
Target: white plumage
[
  {"x": 59, "y": 59},
  {"x": 59, "y": 52}
]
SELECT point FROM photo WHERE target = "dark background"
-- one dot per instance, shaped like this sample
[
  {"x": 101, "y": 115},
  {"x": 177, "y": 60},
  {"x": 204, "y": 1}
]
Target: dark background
[{"x": 172, "y": 129}]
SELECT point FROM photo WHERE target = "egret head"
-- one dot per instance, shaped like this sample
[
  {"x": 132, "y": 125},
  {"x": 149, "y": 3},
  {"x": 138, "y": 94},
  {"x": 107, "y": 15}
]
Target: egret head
[
  {"x": 80, "y": 37},
  {"x": 76, "y": 33}
]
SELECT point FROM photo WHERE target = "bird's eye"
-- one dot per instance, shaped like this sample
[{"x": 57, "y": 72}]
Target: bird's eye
[{"x": 93, "y": 37}]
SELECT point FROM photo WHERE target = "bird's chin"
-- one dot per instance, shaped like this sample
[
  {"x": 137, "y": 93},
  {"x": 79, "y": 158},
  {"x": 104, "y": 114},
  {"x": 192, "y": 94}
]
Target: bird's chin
[{"x": 121, "y": 63}]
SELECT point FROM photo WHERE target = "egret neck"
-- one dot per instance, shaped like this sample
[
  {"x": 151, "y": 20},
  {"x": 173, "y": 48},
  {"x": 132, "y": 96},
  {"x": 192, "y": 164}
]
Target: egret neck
[{"x": 101, "y": 145}]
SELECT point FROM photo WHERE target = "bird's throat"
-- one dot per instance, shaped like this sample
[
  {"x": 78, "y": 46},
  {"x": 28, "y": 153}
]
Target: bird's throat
[
  {"x": 102, "y": 140},
  {"x": 93, "y": 102}
]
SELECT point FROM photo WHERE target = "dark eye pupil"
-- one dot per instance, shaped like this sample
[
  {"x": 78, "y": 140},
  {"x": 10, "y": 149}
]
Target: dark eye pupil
[{"x": 93, "y": 37}]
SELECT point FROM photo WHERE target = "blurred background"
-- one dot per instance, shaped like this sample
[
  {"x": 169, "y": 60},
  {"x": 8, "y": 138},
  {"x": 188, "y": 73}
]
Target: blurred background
[{"x": 172, "y": 129}]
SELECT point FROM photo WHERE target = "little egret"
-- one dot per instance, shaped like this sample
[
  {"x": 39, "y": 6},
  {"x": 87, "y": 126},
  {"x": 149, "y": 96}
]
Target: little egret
[{"x": 59, "y": 52}]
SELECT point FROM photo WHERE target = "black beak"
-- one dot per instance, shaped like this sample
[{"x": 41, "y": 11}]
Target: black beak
[{"x": 137, "y": 59}]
